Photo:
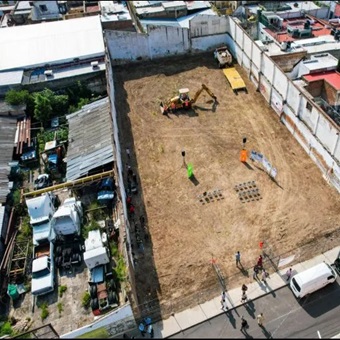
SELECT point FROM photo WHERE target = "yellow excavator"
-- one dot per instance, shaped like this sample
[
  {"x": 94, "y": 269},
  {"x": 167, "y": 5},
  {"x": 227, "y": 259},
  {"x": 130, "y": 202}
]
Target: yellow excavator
[{"x": 183, "y": 101}]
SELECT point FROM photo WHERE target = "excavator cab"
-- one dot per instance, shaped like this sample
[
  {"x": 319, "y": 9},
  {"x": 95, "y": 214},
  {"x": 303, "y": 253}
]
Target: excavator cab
[
  {"x": 184, "y": 98},
  {"x": 183, "y": 94}
]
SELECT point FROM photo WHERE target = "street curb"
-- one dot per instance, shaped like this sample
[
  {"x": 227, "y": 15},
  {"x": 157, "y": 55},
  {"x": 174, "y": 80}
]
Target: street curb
[{"x": 230, "y": 309}]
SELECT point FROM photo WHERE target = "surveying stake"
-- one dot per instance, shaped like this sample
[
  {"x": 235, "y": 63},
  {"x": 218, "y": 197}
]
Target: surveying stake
[
  {"x": 244, "y": 142},
  {"x": 183, "y": 156},
  {"x": 243, "y": 155}
]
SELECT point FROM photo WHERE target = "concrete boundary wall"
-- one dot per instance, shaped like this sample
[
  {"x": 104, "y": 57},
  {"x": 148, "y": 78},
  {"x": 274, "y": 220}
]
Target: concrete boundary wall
[
  {"x": 205, "y": 33},
  {"x": 115, "y": 323},
  {"x": 316, "y": 132}
]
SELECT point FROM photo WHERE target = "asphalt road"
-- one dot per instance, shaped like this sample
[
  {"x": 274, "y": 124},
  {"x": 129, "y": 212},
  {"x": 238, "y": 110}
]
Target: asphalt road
[{"x": 285, "y": 317}]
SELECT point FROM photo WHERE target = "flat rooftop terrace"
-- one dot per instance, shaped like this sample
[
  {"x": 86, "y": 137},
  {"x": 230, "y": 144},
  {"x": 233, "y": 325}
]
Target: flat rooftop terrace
[{"x": 318, "y": 29}]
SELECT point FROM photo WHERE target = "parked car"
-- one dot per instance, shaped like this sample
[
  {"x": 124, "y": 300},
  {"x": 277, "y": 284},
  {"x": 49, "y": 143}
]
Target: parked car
[
  {"x": 312, "y": 279},
  {"x": 43, "y": 181}
]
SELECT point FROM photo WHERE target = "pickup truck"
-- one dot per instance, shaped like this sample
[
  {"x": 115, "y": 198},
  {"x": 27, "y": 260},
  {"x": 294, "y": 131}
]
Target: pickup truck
[
  {"x": 41, "y": 210},
  {"x": 223, "y": 57},
  {"x": 43, "y": 277}
]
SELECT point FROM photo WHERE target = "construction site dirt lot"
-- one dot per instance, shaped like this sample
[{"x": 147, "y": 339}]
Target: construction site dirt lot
[{"x": 186, "y": 234}]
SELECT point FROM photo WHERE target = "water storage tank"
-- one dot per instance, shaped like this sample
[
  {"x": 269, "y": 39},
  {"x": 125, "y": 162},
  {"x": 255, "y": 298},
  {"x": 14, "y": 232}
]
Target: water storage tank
[{"x": 283, "y": 46}]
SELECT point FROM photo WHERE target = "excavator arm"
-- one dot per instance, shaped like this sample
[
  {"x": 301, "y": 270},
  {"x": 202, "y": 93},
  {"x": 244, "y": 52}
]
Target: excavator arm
[{"x": 206, "y": 88}]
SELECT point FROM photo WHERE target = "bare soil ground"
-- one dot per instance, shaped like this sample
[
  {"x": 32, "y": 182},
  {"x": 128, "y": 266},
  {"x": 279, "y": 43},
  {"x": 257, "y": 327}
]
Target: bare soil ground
[{"x": 185, "y": 234}]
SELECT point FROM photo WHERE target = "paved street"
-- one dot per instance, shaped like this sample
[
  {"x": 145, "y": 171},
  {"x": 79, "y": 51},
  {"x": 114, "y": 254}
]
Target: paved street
[{"x": 284, "y": 316}]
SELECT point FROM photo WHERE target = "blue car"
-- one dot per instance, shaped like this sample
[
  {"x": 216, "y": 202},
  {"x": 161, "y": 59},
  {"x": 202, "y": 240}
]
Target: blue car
[{"x": 106, "y": 190}]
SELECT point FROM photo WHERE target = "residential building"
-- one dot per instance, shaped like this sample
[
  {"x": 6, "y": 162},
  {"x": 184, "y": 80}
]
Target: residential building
[
  {"x": 168, "y": 9},
  {"x": 115, "y": 16},
  {"x": 52, "y": 54}
]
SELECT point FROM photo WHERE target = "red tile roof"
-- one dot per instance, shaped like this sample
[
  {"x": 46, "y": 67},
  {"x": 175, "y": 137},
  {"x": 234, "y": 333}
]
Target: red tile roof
[{"x": 331, "y": 77}]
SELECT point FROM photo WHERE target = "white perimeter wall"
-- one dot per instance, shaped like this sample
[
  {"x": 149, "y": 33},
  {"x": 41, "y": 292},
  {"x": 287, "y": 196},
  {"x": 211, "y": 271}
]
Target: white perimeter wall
[
  {"x": 317, "y": 134},
  {"x": 206, "y": 32}
]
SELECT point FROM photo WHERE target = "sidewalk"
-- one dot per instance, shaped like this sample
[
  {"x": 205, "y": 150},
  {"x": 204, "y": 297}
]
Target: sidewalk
[{"x": 193, "y": 316}]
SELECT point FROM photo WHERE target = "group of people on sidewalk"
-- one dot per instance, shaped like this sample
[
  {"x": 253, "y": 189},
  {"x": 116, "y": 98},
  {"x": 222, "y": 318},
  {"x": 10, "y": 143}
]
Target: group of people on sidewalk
[{"x": 258, "y": 268}]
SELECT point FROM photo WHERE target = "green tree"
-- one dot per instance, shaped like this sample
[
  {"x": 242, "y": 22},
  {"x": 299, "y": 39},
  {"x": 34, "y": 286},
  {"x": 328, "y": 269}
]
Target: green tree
[
  {"x": 17, "y": 97},
  {"x": 77, "y": 91},
  {"x": 59, "y": 103},
  {"x": 42, "y": 107}
]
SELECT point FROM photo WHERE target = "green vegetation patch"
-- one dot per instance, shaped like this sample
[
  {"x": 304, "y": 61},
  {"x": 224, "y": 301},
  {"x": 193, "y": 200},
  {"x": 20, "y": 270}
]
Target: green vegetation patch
[{"x": 100, "y": 333}]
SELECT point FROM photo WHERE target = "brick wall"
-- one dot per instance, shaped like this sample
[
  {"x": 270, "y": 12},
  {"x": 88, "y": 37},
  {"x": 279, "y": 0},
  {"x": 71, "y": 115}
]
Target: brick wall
[
  {"x": 315, "y": 88},
  {"x": 329, "y": 94},
  {"x": 288, "y": 61}
]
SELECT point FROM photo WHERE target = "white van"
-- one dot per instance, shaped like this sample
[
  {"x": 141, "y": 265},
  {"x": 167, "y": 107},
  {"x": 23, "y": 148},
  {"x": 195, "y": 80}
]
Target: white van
[{"x": 312, "y": 279}]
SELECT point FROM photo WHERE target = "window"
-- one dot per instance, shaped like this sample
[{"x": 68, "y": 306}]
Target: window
[
  {"x": 296, "y": 285},
  {"x": 309, "y": 106},
  {"x": 43, "y": 8}
]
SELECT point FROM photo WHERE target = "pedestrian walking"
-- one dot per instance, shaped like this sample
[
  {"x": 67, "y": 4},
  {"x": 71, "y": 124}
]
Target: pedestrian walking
[
  {"x": 260, "y": 262},
  {"x": 238, "y": 258},
  {"x": 128, "y": 153},
  {"x": 132, "y": 210},
  {"x": 289, "y": 273},
  {"x": 244, "y": 297},
  {"x": 244, "y": 324},
  {"x": 255, "y": 272},
  {"x": 142, "y": 329},
  {"x": 130, "y": 173},
  {"x": 264, "y": 276},
  {"x": 150, "y": 331},
  {"x": 142, "y": 220},
  {"x": 244, "y": 288},
  {"x": 224, "y": 304},
  {"x": 223, "y": 299},
  {"x": 260, "y": 319}
]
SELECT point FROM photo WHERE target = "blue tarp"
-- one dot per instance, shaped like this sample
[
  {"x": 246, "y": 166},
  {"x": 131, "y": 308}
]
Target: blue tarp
[{"x": 105, "y": 195}]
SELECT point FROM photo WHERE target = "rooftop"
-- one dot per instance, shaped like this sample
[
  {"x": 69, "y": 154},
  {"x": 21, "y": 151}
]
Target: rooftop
[
  {"x": 318, "y": 61},
  {"x": 139, "y": 4},
  {"x": 11, "y": 78},
  {"x": 52, "y": 42},
  {"x": 301, "y": 5},
  {"x": 8, "y": 127},
  {"x": 180, "y": 22},
  {"x": 90, "y": 139},
  {"x": 112, "y": 11},
  {"x": 143, "y": 7},
  {"x": 318, "y": 29},
  {"x": 38, "y": 75},
  {"x": 331, "y": 77}
]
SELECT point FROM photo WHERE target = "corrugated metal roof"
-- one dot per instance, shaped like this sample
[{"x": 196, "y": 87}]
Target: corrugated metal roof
[
  {"x": 2, "y": 219},
  {"x": 8, "y": 127},
  {"x": 51, "y": 42},
  {"x": 90, "y": 136},
  {"x": 10, "y": 78}
]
